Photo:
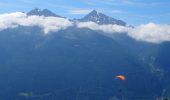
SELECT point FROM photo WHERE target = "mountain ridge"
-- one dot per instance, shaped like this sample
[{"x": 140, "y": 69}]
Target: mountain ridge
[
  {"x": 44, "y": 12},
  {"x": 93, "y": 16},
  {"x": 101, "y": 19}
]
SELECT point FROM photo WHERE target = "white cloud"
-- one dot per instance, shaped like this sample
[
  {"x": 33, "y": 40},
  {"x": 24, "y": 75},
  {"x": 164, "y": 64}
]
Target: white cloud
[
  {"x": 105, "y": 28},
  {"x": 116, "y": 11},
  {"x": 154, "y": 33},
  {"x": 49, "y": 24},
  {"x": 79, "y": 11}
]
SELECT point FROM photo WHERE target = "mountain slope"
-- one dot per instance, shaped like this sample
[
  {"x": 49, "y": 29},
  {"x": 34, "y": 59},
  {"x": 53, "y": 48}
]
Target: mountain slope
[
  {"x": 72, "y": 63},
  {"x": 101, "y": 19},
  {"x": 44, "y": 12}
]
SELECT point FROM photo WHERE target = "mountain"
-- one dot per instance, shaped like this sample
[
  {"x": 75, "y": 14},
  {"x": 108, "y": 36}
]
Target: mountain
[
  {"x": 93, "y": 16},
  {"x": 44, "y": 12},
  {"x": 101, "y": 19},
  {"x": 80, "y": 64},
  {"x": 72, "y": 64}
]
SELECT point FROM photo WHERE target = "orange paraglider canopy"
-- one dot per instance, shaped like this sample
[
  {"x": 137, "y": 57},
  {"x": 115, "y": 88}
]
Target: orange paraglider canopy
[{"x": 121, "y": 77}]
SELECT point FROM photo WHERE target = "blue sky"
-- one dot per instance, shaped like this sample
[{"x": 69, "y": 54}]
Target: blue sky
[{"x": 133, "y": 12}]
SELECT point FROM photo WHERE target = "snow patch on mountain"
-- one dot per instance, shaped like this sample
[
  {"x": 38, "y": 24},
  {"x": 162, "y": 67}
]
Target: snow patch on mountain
[{"x": 101, "y": 19}]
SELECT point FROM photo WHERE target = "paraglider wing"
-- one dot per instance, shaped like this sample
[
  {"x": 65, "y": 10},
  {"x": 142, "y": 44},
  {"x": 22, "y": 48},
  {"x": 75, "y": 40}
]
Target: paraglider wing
[{"x": 121, "y": 77}]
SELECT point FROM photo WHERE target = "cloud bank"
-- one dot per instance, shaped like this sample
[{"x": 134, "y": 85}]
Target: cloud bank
[
  {"x": 151, "y": 32},
  {"x": 49, "y": 24},
  {"x": 154, "y": 33}
]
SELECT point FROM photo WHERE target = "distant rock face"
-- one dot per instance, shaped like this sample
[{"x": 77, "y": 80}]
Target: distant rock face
[
  {"x": 93, "y": 16},
  {"x": 44, "y": 12},
  {"x": 101, "y": 19}
]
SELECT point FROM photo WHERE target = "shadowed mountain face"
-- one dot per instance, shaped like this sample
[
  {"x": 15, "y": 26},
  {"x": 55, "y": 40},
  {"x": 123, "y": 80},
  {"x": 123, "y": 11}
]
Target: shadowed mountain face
[
  {"x": 44, "y": 12},
  {"x": 101, "y": 19},
  {"x": 73, "y": 64},
  {"x": 162, "y": 60}
]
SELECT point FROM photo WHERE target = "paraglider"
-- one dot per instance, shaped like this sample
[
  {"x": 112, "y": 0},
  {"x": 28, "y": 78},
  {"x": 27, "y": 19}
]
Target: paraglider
[{"x": 121, "y": 77}]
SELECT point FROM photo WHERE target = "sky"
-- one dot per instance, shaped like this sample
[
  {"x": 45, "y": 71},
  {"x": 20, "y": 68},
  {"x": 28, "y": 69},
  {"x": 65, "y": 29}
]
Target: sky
[{"x": 134, "y": 12}]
